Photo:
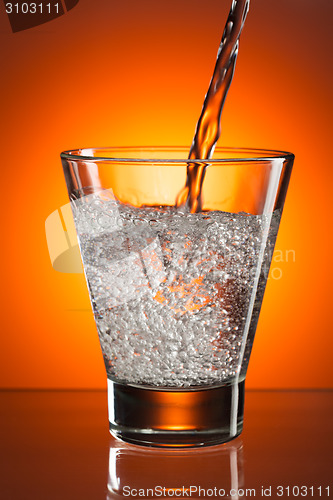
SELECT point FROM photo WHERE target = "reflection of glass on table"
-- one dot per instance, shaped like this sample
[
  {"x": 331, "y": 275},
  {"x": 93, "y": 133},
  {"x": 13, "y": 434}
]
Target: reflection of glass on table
[{"x": 217, "y": 469}]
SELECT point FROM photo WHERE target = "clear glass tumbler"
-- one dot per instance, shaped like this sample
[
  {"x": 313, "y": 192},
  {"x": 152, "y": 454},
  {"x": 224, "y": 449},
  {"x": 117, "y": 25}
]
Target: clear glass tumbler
[{"x": 176, "y": 295}]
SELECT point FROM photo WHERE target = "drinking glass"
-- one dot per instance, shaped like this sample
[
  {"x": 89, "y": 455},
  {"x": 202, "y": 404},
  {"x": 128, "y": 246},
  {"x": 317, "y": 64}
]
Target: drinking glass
[{"x": 176, "y": 295}]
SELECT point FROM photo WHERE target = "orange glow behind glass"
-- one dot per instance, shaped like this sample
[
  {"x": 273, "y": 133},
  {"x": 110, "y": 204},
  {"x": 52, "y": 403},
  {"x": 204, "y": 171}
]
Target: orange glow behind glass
[{"x": 135, "y": 73}]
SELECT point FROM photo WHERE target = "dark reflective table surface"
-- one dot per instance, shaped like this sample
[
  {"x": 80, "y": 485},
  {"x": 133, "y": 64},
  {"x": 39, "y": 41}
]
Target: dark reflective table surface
[{"x": 56, "y": 445}]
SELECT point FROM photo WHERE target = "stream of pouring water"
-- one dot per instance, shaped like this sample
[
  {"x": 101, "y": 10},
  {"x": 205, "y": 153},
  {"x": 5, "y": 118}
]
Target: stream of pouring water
[{"x": 208, "y": 128}]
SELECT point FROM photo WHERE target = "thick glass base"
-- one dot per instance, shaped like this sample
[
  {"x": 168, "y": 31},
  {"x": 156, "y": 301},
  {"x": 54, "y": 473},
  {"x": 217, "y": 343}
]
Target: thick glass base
[{"x": 176, "y": 418}]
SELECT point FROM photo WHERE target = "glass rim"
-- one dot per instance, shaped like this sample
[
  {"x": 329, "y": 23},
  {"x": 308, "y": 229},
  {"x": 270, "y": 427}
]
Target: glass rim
[{"x": 252, "y": 154}]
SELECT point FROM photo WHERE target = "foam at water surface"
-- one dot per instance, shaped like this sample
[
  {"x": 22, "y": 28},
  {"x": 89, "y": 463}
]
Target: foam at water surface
[{"x": 171, "y": 291}]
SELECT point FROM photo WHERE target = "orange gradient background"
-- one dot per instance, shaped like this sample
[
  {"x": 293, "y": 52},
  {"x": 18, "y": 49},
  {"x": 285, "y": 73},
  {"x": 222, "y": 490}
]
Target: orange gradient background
[{"x": 135, "y": 73}]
